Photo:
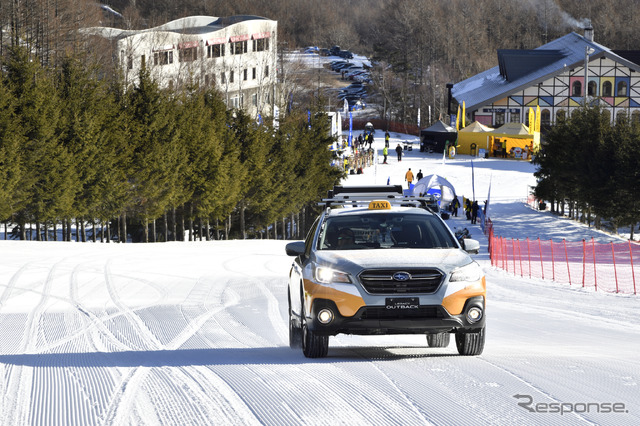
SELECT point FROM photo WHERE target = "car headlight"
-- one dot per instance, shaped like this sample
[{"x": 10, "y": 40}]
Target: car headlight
[
  {"x": 326, "y": 275},
  {"x": 470, "y": 272}
]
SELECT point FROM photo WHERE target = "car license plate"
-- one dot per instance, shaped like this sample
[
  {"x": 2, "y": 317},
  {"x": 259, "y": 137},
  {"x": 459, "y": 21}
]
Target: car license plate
[{"x": 402, "y": 303}]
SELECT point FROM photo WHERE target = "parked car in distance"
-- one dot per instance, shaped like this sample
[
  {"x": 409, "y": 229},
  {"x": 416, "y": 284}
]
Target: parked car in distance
[
  {"x": 345, "y": 54},
  {"x": 335, "y": 50},
  {"x": 324, "y": 52}
]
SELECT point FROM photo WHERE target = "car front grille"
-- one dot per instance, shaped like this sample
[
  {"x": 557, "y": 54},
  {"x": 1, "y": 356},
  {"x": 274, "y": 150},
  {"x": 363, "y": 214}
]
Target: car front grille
[
  {"x": 382, "y": 281},
  {"x": 380, "y": 313}
]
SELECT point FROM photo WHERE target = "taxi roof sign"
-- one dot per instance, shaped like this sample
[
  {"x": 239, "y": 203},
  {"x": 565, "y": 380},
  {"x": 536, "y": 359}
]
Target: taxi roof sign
[{"x": 379, "y": 205}]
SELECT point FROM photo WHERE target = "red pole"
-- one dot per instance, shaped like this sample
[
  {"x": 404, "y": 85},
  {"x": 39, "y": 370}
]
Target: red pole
[
  {"x": 566, "y": 256},
  {"x": 513, "y": 247},
  {"x": 553, "y": 263},
  {"x": 633, "y": 274},
  {"x": 520, "y": 258},
  {"x": 615, "y": 269},
  {"x": 584, "y": 260},
  {"x": 505, "y": 255},
  {"x": 529, "y": 256},
  {"x": 595, "y": 277},
  {"x": 541, "y": 264}
]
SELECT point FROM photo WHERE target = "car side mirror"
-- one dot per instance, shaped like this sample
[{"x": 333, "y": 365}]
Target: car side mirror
[
  {"x": 471, "y": 246},
  {"x": 296, "y": 248}
]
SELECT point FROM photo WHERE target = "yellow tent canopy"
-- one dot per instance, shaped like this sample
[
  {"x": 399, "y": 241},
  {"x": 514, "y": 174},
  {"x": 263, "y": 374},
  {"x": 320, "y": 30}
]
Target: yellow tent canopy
[
  {"x": 513, "y": 140},
  {"x": 513, "y": 130},
  {"x": 472, "y": 138}
]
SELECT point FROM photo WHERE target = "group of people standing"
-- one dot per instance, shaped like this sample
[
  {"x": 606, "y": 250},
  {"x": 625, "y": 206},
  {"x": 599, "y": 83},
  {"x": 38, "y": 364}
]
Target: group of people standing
[{"x": 471, "y": 210}]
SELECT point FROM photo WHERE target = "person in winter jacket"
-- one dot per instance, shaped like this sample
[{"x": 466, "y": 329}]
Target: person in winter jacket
[
  {"x": 385, "y": 152},
  {"x": 409, "y": 177},
  {"x": 399, "y": 152},
  {"x": 474, "y": 212}
]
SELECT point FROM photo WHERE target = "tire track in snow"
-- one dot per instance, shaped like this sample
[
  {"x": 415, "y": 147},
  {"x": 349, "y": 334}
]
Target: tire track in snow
[
  {"x": 130, "y": 383},
  {"x": 19, "y": 388}
]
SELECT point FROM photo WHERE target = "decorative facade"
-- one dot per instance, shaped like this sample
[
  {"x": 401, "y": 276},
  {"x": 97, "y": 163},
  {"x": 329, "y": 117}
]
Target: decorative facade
[
  {"x": 237, "y": 55},
  {"x": 553, "y": 77}
]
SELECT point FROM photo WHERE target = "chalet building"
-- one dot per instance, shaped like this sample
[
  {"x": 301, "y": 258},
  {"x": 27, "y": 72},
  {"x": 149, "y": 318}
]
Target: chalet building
[
  {"x": 236, "y": 54},
  {"x": 553, "y": 76}
]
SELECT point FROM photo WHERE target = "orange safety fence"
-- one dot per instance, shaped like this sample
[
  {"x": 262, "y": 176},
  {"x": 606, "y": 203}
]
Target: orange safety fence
[{"x": 610, "y": 267}]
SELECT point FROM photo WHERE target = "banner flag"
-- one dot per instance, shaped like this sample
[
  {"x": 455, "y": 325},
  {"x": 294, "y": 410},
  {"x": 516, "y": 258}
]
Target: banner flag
[
  {"x": 473, "y": 181},
  {"x": 463, "y": 115},
  {"x": 350, "y": 127}
]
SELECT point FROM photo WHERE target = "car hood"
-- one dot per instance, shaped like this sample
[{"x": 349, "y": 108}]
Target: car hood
[{"x": 358, "y": 260}]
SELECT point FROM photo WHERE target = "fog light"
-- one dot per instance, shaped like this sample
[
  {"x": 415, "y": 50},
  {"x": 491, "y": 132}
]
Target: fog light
[
  {"x": 474, "y": 314},
  {"x": 325, "y": 316}
]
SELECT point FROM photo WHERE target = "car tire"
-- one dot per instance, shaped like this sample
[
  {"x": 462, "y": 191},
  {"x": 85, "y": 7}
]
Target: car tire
[
  {"x": 313, "y": 345},
  {"x": 438, "y": 340},
  {"x": 470, "y": 343},
  {"x": 295, "y": 331}
]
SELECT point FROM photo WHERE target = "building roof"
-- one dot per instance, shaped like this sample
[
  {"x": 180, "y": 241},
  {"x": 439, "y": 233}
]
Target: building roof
[
  {"x": 187, "y": 25},
  {"x": 519, "y": 69}
]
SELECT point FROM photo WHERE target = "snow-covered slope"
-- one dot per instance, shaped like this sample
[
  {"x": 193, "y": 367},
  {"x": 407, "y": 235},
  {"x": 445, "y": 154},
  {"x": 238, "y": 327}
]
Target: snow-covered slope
[{"x": 196, "y": 333}]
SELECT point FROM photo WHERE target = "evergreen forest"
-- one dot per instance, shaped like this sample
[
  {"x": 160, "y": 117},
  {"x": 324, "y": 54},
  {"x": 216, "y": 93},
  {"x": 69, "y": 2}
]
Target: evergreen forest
[{"x": 77, "y": 152}]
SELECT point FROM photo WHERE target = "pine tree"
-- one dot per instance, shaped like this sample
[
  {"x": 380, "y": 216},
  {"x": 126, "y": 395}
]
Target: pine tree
[
  {"x": 11, "y": 170},
  {"x": 50, "y": 184}
]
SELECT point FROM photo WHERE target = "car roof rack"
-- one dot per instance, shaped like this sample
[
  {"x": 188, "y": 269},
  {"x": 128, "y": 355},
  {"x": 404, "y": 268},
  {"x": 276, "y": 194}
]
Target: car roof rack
[
  {"x": 355, "y": 196},
  {"x": 377, "y": 190}
]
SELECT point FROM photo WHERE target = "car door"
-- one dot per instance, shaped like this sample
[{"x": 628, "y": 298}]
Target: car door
[{"x": 296, "y": 276}]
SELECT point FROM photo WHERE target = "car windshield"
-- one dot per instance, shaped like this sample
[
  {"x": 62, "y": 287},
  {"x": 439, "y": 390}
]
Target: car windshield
[{"x": 384, "y": 231}]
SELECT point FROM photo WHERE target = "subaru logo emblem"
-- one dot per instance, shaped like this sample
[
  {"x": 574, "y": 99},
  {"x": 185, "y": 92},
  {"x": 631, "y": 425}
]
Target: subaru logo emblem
[{"x": 401, "y": 276}]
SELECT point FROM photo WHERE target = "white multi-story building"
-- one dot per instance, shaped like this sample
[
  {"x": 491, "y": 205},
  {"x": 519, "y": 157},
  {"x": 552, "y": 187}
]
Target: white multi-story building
[{"x": 235, "y": 54}]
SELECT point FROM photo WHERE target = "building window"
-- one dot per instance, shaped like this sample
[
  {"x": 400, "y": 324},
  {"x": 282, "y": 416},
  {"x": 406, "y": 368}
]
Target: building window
[
  {"x": 577, "y": 89},
  {"x": 254, "y": 100},
  {"x": 223, "y": 79},
  {"x": 545, "y": 118},
  {"x": 238, "y": 48},
  {"x": 253, "y": 73},
  {"x": 261, "y": 45},
  {"x": 231, "y": 76},
  {"x": 515, "y": 117},
  {"x": 561, "y": 115},
  {"x": 244, "y": 74},
  {"x": 215, "y": 51},
  {"x": 235, "y": 102},
  {"x": 163, "y": 58},
  {"x": 499, "y": 119},
  {"x": 622, "y": 89},
  {"x": 606, "y": 88},
  {"x": 189, "y": 54},
  {"x": 266, "y": 71},
  {"x": 593, "y": 88}
]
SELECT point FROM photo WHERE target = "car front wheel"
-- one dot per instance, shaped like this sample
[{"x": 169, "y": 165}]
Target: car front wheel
[
  {"x": 313, "y": 345},
  {"x": 470, "y": 343}
]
